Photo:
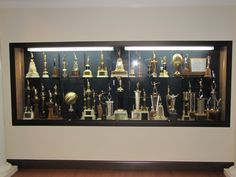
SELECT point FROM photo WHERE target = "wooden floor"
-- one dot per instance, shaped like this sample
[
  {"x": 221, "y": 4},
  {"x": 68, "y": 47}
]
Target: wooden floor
[{"x": 112, "y": 173}]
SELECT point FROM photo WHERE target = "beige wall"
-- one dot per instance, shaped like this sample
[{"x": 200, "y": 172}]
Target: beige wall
[{"x": 117, "y": 143}]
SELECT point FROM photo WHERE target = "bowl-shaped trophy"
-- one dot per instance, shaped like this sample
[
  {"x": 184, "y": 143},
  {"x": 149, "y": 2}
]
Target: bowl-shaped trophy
[
  {"x": 71, "y": 98},
  {"x": 177, "y": 61}
]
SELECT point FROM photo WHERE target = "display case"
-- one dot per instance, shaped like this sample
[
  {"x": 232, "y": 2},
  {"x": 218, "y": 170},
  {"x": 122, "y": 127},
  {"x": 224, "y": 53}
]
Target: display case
[{"x": 136, "y": 83}]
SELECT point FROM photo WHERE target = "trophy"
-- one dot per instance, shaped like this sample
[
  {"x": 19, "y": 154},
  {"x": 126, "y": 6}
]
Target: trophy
[
  {"x": 152, "y": 66},
  {"x": 200, "y": 113},
  {"x": 170, "y": 100},
  {"x": 56, "y": 109},
  {"x": 120, "y": 113},
  {"x": 100, "y": 106},
  {"x": 119, "y": 70},
  {"x": 64, "y": 67},
  {"x": 132, "y": 72},
  {"x": 28, "y": 113},
  {"x": 137, "y": 113},
  {"x": 186, "y": 70},
  {"x": 45, "y": 70},
  {"x": 208, "y": 69},
  {"x": 55, "y": 70},
  {"x": 109, "y": 105},
  {"x": 163, "y": 68},
  {"x": 87, "y": 72},
  {"x": 70, "y": 99},
  {"x": 140, "y": 73},
  {"x": 75, "y": 71},
  {"x": 213, "y": 104},
  {"x": 50, "y": 105},
  {"x": 32, "y": 72},
  {"x": 102, "y": 69},
  {"x": 177, "y": 61},
  {"x": 36, "y": 103},
  {"x": 88, "y": 112},
  {"x": 43, "y": 97}
]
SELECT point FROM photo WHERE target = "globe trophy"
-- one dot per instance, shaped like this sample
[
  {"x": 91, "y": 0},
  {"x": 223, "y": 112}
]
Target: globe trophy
[
  {"x": 32, "y": 72},
  {"x": 177, "y": 61},
  {"x": 70, "y": 99}
]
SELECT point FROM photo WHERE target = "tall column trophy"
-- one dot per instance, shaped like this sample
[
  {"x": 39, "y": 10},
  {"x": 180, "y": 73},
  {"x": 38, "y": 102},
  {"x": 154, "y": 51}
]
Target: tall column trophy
[
  {"x": 100, "y": 106},
  {"x": 213, "y": 104},
  {"x": 87, "y": 72},
  {"x": 200, "y": 113},
  {"x": 102, "y": 69},
  {"x": 56, "y": 109},
  {"x": 75, "y": 71},
  {"x": 163, "y": 68},
  {"x": 50, "y": 105},
  {"x": 152, "y": 66},
  {"x": 88, "y": 112},
  {"x": 32, "y": 72},
  {"x": 140, "y": 72},
  {"x": 157, "y": 111},
  {"x": 186, "y": 70},
  {"x": 109, "y": 105},
  {"x": 70, "y": 99},
  {"x": 43, "y": 106},
  {"x": 119, "y": 70},
  {"x": 36, "y": 103},
  {"x": 45, "y": 69},
  {"x": 170, "y": 100},
  {"x": 28, "y": 113},
  {"x": 55, "y": 70},
  {"x": 64, "y": 67},
  {"x": 138, "y": 113},
  {"x": 208, "y": 68},
  {"x": 177, "y": 61},
  {"x": 120, "y": 113}
]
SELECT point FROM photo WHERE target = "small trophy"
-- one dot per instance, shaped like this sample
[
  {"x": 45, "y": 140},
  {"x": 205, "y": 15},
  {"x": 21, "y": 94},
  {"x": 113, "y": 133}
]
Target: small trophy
[
  {"x": 43, "y": 97},
  {"x": 55, "y": 70},
  {"x": 70, "y": 99},
  {"x": 186, "y": 70},
  {"x": 75, "y": 71},
  {"x": 28, "y": 113},
  {"x": 32, "y": 73},
  {"x": 200, "y": 113},
  {"x": 153, "y": 65},
  {"x": 50, "y": 105},
  {"x": 170, "y": 100},
  {"x": 177, "y": 61},
  {"x": 102, "y": 69},
  {"x": 88, "y": 112},
  {"x": 213, "y": 104},
  {"x": 132, "y": 72},
  {"x": 64, "y": 68},
  {"x": 45, "y": 70},
  {"x": 87, "y": 72},
  {"x": 109, "y": 105},
  {"x": 163, "y": 68},
  {"x": 120, "y": 113},
  {"x": 119, "y": 70},
  {"x": 36, "y": 103},
  {"x": 208, "y": 69}
]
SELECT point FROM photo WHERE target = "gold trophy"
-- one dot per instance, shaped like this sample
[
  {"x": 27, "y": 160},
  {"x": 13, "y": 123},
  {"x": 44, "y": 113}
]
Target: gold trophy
[
  {"x": 102, "y": 69},
  {"x": 109, "y": 105},
  {"x": 120, "y": 113},
  {"x": 28, "y": 113},
  {"x": 55, "y": 70},
  {"x": 88, "y": 112},
  {"x": 119, "y": 70},
  {"x": 87, "y": 72},
  {"x": 64, "y": 67},
  {"x": 200, "y": 113},
  {"x": 70, "y": 99},
  {"x": 45, "y": 70},
  {"x": 213, "y": 104},
  {"x": 140, "y": 72},
  {"x": 32, "y": 72},
  {"x": 132, "y": 72},
  {"x": 170, "y": 100},
  {"x": 75, "y": 71},
  {"x": 186, "y": 70},
  {"x": 177, "y": 61},
  {"x": 163, "y": 68},
  {"x": 43, "y": 97},
  {"x": 208, "y": 69},
  {"x": 153, "y": 65},
  {"x": 56, "y": 109},
  {"x": 36, "y": 103},
  {"x": 50, "y": 106},
  {"x": 100, "y": 106}
]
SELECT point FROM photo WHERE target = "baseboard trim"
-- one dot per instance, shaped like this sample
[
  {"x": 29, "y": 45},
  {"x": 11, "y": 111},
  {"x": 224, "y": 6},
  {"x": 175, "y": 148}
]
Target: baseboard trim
[{"x": 119, "y": 165}]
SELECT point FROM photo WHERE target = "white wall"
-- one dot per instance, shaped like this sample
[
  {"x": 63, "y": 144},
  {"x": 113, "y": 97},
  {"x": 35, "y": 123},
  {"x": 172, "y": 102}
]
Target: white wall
[{"x": 117, "y": 143}]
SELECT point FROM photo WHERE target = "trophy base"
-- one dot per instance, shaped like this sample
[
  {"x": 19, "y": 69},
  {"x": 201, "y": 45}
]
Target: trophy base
[
  {"x": 208, "y": 73},
  {"x": 154, "y": 75},
  {"x": 202, "y": 116},
  {"x": 75, "y": 74},
  {"x": 120, "y": 114},
  {"x": 32, "y": 75},
  {"x": 173, "y": 115},
  {"x": 88, "y": 114},
  {"x": 119, "y": 74},
  {"x": 110, "y": 117},
  {"x": 213, "y": 115},
  {"x": 87, "y": 74},
  {"x": 102, "y": 74},
  {"x": 139, "y": 115},
  {"x": 164, "y": 74},
  {"x": 28, "y": 115},
  {"x": 186, "y": 117}
]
